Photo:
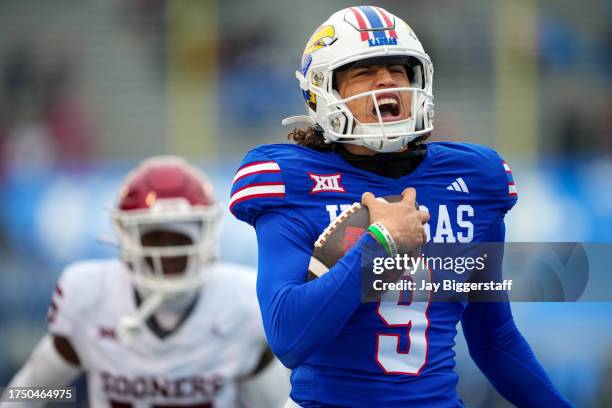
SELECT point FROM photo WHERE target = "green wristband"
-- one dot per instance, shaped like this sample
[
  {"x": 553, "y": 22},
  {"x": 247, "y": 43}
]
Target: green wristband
[{"x": 383, "y": 237}]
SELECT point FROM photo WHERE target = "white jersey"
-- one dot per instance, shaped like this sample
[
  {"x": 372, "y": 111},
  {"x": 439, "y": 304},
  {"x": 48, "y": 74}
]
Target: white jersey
[{"x": 198, "y": 365}]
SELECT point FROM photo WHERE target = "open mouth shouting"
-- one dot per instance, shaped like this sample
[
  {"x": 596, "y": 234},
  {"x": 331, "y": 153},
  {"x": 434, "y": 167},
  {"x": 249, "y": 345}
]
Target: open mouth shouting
[{"x": 389, "y": 106}]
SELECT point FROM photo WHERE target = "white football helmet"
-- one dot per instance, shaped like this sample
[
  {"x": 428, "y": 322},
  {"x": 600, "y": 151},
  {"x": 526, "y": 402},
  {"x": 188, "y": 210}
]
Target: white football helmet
[{"x": 363, "y": 36}]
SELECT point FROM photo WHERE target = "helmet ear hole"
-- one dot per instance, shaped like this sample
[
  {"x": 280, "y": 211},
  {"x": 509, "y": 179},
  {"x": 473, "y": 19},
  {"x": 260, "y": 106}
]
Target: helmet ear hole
[
  {"x": 338, "y": 122},
  {"x": 342, "y": 121}
]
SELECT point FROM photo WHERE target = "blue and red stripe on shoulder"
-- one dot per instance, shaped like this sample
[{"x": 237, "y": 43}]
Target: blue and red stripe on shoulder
[
  {"x": 257, "y": 179},
  {"x": 511, "y": 186}
]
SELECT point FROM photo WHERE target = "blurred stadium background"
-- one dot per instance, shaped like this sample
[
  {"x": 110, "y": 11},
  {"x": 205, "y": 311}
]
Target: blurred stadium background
[{"x": 89, "y": 88}]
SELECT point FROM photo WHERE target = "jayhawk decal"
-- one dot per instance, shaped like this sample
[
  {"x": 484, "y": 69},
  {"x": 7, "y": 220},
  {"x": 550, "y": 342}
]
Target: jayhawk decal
[{"x": 323, "y": 37}]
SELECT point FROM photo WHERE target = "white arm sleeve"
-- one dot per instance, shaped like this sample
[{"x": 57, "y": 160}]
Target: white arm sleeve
[
  {"x": 45, "y": 368},
  {"x": 269, "y": 388}
]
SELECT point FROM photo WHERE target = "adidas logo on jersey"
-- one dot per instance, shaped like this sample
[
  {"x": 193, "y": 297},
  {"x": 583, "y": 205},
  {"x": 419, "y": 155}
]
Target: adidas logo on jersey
[{"x": 458, "y": 185}]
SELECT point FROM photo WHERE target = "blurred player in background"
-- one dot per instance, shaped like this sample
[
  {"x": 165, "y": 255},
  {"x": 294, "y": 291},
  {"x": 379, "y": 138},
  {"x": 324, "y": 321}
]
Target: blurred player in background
[
  {"x": 166, "y": 325},
  {"x": 367, "y": 83}
]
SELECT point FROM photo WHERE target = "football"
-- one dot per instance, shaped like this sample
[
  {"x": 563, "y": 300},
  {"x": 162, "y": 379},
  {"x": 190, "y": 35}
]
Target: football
[{"x": 340, "y": 236}]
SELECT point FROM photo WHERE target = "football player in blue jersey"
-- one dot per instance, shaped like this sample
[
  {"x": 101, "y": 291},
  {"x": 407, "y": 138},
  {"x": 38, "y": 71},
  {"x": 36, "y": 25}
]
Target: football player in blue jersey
[{"x": 367, "y": 83}]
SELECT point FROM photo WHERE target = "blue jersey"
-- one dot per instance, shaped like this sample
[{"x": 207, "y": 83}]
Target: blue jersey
[{"x": 344, "y": 352}]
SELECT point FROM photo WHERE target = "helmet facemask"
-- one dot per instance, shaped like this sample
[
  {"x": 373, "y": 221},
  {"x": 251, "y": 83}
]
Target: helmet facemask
[
  {"x": 174, "y": 265},
  {"x": 384, "y": 134},
  {"x": 168, "y": 274},
  {"x": 391, "y": 126}
]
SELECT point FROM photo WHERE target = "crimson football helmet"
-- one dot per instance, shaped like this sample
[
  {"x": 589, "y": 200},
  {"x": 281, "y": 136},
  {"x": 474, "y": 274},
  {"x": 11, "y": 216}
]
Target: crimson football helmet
[{"x": 166, "y": 193}]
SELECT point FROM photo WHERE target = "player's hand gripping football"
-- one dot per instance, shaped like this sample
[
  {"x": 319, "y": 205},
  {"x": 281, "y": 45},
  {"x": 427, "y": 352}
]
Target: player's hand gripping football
[{"x": 402, "y": 219}]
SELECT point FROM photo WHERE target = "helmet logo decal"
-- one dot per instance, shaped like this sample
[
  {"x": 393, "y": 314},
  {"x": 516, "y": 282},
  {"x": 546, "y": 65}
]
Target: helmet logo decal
[
  {"x": 323, "y": 37},
  {"x": 374, "y": 25}
]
